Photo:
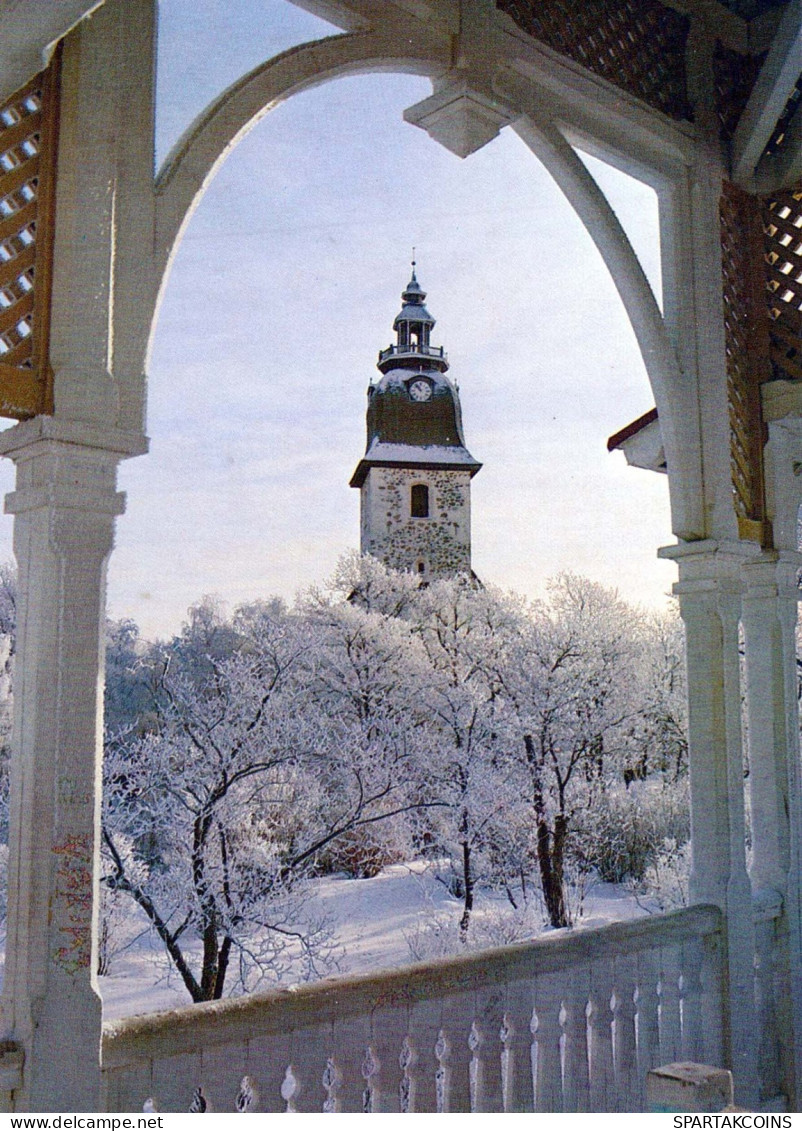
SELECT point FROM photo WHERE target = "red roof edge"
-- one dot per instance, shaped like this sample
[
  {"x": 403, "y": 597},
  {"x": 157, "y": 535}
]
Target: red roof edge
[{"x": 632, "y": 430}]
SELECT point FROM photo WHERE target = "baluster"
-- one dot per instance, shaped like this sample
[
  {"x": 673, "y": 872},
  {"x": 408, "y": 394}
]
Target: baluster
[
  {"x": 670, "y": 1024},
  {"x": 648, "y": 1020},
  {"x": 691, "y": 1000},
  {"x": 456, "y": 1026},
  {"x": 519, "y": 1093},
  {"x": 624, "y": 1037},
  {"x": 222, "y": 1068},
  {"x": 388, "y": 1027},
  {"x": 332, "y": 1081},
  {"x": 487, "y": 1050},
  {"x": 174, "y": 1080},
  {"x": 602, "y": 1073},
  {"x": 406, "y": 1089},
  {"x": 127, "y": 1086},
  {"x": 505, "y": 1036},
  {"x": 474, "y": 1042},
  {"x": 424, "y": 1029},
  {"x": 576, "y": 1070},
  {"x": 350, "y": 1039},
  {"x": 370, "y": 1070},
  {"x": 266, "y": 1063},
  {"x": 247, "y": 1096},
  {"x": 769, "y": 1049},
  {"x": 548, "y": 1085},
  {"x": 309, "y": 1053},
  {"x": 289, "y": 1088},
  {"x": 442, "y": 1076}
]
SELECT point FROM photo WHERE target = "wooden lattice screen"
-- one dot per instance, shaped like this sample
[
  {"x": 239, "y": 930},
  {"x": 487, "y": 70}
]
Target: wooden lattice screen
[
  {"x": 28, "y": 141},
  {"x": 782, "y": 221},
  {"x": 637, "y": 44},
  {"x": 747, "y": 343}
]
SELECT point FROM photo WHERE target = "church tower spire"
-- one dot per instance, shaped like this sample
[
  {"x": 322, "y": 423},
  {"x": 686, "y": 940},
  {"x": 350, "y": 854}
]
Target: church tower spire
[
  {"x": 415, "y": 476},
  {"x": 413, "y": 327}
]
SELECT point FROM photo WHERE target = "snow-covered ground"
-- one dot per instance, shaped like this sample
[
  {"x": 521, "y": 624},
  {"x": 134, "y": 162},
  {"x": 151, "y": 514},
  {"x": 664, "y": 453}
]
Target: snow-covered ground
[{"x": 374, "y": 921}]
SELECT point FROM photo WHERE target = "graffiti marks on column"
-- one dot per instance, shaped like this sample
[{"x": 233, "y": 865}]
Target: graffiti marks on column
[{"x": 72, "y": 903}]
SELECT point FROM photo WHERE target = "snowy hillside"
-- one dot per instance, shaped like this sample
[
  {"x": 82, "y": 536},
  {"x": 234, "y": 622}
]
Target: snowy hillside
[{"x": 377, "y": 923}]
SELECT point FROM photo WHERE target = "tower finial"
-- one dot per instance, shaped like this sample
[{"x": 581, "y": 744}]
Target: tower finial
[{"x": 414, "y": 264}]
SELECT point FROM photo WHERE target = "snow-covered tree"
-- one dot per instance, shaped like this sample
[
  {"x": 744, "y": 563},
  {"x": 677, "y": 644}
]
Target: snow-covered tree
[
  {"x": 252, "y": 767},
  {"x": 660, "y": 736},
  {"x": 464, "y": 631},
  {"x": 366, "y": 582},
  {"x": 570, "y": 692},
  {"x": 378, "y": 720},
  {"x": 206, "y": 813}
]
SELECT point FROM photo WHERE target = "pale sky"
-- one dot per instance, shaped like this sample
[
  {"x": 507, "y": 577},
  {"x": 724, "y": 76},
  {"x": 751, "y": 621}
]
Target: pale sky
[{"x": 283, "y": 291}]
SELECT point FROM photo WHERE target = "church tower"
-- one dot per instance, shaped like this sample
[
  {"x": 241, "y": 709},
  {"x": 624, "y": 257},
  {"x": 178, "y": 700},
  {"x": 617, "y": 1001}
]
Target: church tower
[{"x": 415, "y": 476}]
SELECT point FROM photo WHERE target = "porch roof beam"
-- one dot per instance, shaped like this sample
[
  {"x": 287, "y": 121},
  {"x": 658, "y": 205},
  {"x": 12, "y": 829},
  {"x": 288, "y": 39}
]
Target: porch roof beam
[
  {"x": 595, "y": 115},
  {"x": 356, "y": 15},
  {"x": 775, "y": 84},
  {"x": 27, "y": 36}
]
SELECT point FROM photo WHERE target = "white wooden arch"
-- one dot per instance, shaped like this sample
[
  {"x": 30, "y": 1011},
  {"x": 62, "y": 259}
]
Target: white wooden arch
[{"x": 194, "y": 160}]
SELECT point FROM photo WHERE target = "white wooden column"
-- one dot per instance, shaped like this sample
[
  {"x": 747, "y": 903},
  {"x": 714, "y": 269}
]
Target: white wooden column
[
  {"x": 774, "y": 782},
  {"x": 709, "y": 592},
  {"x": 766, "y": 714},
  {"x": 64, "y": 507},
  {"x": 773, "y": 714},
  {"x": 789, "y": 928},
  {"x": 773, "y": 726}
]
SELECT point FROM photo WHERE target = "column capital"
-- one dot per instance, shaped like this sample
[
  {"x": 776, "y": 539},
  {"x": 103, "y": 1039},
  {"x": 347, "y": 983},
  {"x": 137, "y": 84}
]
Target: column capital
[
  {"x": 15, "y": 442},
  {"x": 709, "y": 565},
  {"x": 774, "y": 572},
  {"x": 58, "y": 476}
]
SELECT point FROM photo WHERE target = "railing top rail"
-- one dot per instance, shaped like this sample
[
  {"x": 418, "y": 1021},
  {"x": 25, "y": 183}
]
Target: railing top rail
[
  {"x": 425, "y": 351},
  {"x": 234, "y": 1019}
]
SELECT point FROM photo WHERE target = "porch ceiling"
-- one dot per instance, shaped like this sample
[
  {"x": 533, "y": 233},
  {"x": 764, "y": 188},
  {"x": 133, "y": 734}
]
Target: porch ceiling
[{"x": 28, "y": 30}]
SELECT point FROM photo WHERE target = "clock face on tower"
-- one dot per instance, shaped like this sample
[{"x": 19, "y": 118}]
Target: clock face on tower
[{"x": 420, "y": 390}]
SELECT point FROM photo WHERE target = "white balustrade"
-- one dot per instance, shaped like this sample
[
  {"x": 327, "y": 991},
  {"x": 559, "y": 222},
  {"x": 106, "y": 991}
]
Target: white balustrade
[{"x": 570, "y": 1022}]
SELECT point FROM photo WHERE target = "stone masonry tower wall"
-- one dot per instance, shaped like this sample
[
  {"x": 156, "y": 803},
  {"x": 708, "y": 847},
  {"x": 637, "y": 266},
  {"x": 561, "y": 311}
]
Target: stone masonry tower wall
[{"x": 437, "y": 544}]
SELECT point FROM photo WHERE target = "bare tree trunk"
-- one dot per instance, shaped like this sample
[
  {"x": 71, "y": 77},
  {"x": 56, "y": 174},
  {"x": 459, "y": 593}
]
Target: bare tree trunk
[
  {"x": 550, "y": 858},
  {"x": 550, "y": 846},
  {"x": 467, "y": 878},
  {"x": 169, "y": 938},
  {"x": 222, "y": 967}
]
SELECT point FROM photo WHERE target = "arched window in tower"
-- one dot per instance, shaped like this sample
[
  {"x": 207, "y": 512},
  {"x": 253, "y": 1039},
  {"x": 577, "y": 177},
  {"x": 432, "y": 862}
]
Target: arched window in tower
[{"x": 419, "y": 501}]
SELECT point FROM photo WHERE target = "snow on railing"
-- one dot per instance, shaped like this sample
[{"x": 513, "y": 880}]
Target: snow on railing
[{"x": 569, "y": 1022}]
